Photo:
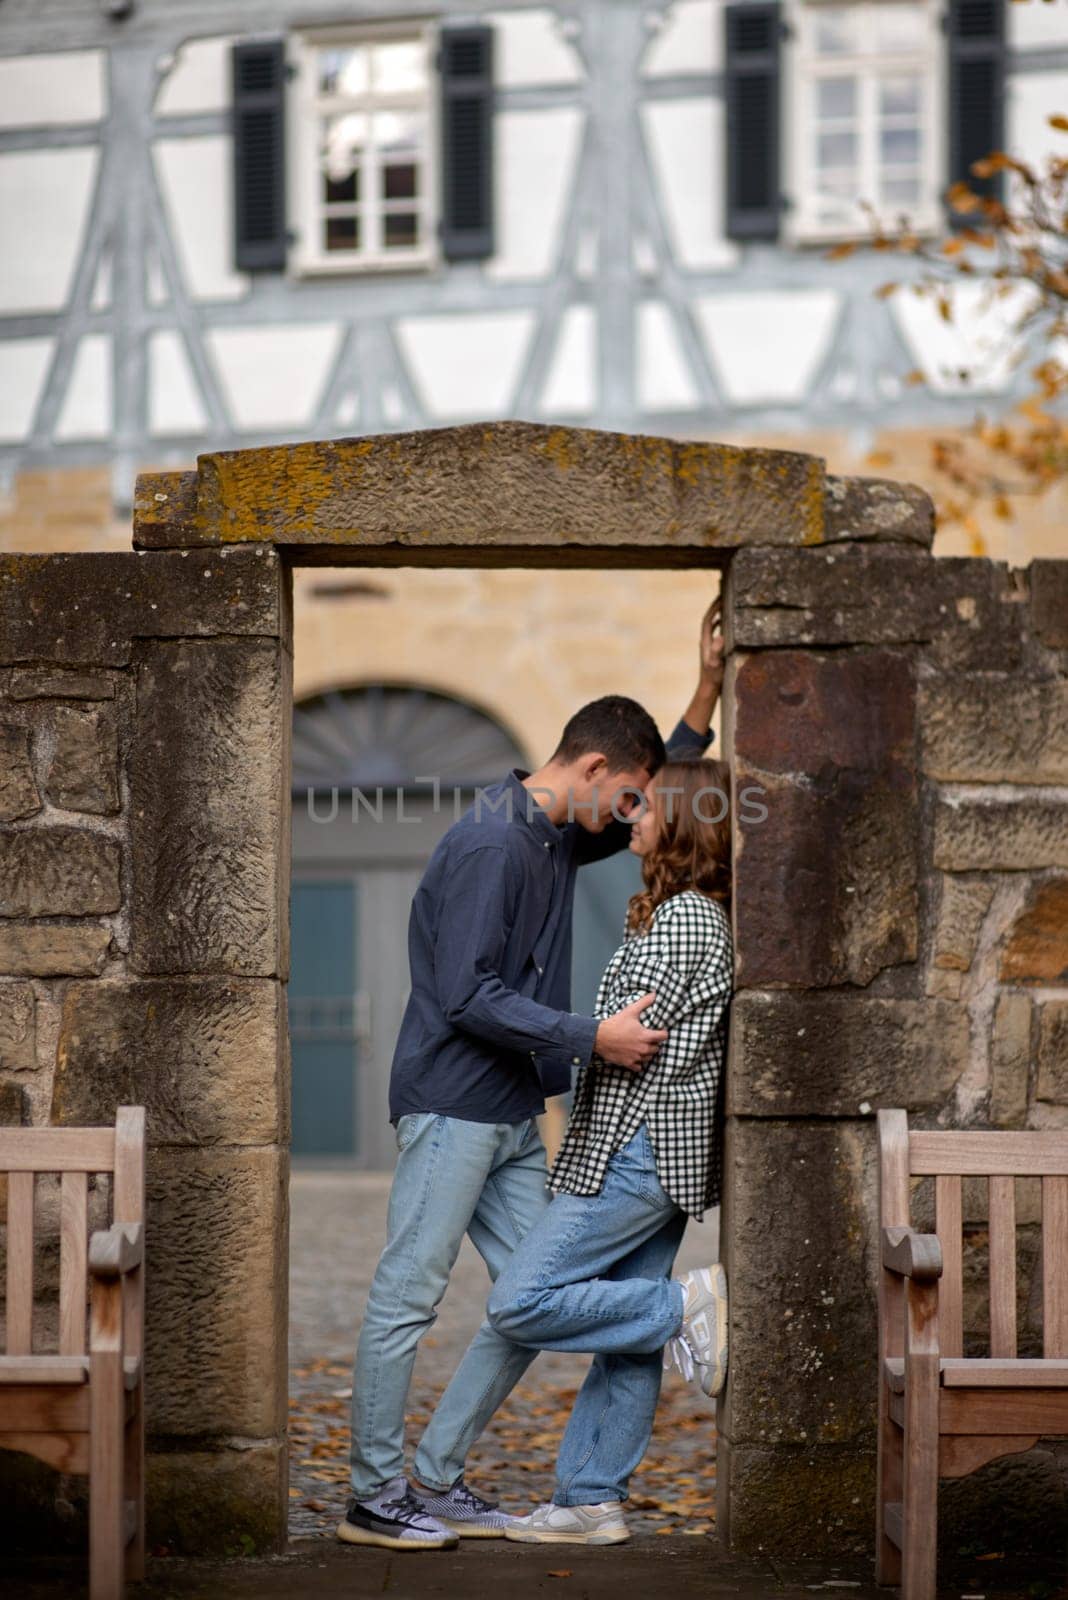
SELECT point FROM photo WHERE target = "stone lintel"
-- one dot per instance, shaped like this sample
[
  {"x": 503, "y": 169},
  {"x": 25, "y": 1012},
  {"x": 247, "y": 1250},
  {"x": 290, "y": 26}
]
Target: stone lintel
[{"x": 473, "y": 492}]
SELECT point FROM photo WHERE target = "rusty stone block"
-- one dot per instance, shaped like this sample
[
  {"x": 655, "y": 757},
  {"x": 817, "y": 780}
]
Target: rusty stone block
[
  {"x": 52, "y": 949},
  {"x": 18, "y": 790},
  {"x": 1010, "y": 1061},
  {"x": 878, "y": 509},
  {"x": 995, "y": 835},
  {"x": 86, "y": 609},
  {"x": 788, "y": 1500},
  {"x": 214, "y": 1502},
  {"x": 1049, "y": 602},
  {"x": 58, "y": 872},
  {"x": 799, "y": 1203},
  {"x": 1053, "y": 1052},
  {"x": 493, "y": 493},
  {"x": 1036, "y": 950},
  {"x": 835, "y": 1055},
  {"x": 203, "y": 1055},
  {"x": 990, "y": 727},
  {"x": 44, "y": 684},
  {"x": 963, "y": 904},
  {"x": 84, "y": 772},
  {"x": 18, "y": 1031},
  {"x": 855, "y": 594},
  {"x": 216, "y": 1276},
  {"x": 209, "y": 809},
  {"x": 826, "y": 883}
]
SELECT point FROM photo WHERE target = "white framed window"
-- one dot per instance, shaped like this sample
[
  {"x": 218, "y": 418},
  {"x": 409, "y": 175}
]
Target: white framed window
[
  {"x": 363, "y": 149},
  {"x": 864, "y": 116}
]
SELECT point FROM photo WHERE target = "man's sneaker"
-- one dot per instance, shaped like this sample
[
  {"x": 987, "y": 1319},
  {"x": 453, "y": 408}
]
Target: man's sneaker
[
  {"x": 395, "y": 1519},
  {"x": 699, "y": 1349},
  {"x": 464, "y": 1511},
  {"x": 601, "y": 1524}
]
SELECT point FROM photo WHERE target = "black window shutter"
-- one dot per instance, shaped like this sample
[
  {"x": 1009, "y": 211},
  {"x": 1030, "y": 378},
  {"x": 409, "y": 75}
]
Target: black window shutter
[
  {"x": 752, "y": 82},
  {"x": 258, "y": 71},
  {"x": 976, "y": 30},
  {"x": 466, "y": 68}
]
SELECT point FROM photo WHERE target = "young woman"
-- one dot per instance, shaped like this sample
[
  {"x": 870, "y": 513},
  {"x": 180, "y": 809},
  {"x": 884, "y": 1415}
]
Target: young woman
[{"x": 641, "y": 1154}]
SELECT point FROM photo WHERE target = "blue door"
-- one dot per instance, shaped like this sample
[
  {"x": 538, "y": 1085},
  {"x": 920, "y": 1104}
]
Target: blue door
[{"x": 322, "y": 1017}]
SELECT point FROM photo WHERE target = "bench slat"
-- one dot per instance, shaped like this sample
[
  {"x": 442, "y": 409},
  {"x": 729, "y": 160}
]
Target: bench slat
[
  {"x": 1003, "y": 1266},
  {"x": 20, "y": 1263},
  {"x": 982, "y": 1373},
  {"x": 57, "y": 1149},
  {"x": 985, "y": 1155},
  {"x": 73, "y": 1245},
  {"x": 45, "y": 1370},
  {"x": 1055, "y": 1266},
  {"x": 950, "y": 1229}
]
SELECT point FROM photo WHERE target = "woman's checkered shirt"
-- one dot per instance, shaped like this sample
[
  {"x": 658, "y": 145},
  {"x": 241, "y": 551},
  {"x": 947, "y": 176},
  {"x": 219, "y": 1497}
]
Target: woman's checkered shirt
[{"x": 686, "y": 956}]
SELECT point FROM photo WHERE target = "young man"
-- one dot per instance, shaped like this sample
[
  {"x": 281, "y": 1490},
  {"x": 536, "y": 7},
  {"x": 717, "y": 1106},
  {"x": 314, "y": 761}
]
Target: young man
[{"x": 488, "y": 1034}]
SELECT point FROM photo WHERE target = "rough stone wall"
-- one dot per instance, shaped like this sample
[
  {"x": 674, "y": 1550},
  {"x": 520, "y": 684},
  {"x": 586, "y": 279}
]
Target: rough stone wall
[
  {"x": 902, "y": 932},
  {"x": 144, "y": 725}
]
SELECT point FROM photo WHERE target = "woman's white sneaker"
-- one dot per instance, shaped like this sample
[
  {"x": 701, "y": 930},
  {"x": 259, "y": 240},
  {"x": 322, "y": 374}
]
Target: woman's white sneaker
[
  {"x": 600, "y": 1524},
  {"x": 699, "y": 1350}
]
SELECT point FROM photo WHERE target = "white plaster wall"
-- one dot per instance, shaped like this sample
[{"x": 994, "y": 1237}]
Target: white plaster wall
[
  {"x": 767, "y": 345},
  {"x": 199, "y": 80},
  {"x": 571, "y": 384},
  {"x": 665, "y": 382},
  {"x": 273, "y": 376},
  {"x": 1032, "y": 23},
  {"x": 23, "y": 365},
  {"x": 52, "y": 90},
  {"x": 689, "y": 40},
  {"x": 972, "y": 354},
  {"x": 195, "y": 179},
  {"x": 86, "y": 410},
  {"x": 536, "y": 154},
  {"x": 531, "y": 48},
  {"x": 684, "y": 139},
  {"x": 466, "y": 366},
  {"x": 1031, "y": 99},
  {"x": 174, "y": 403},
  {"x": 44, "y": 198}
]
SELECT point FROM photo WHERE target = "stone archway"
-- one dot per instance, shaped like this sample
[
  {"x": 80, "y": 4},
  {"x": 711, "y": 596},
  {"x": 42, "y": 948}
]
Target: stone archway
[{"x": 146, "y": 701}]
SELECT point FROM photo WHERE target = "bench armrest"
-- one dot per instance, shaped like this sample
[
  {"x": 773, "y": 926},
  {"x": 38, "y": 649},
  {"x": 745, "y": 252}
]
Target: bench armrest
[
  {"x": 912, "y": 1255},
  {"x": 116, "y": 1250}
]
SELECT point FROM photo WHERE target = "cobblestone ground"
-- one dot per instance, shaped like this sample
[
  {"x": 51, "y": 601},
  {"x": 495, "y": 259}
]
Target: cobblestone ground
[{"x": 337, "y": 1228}]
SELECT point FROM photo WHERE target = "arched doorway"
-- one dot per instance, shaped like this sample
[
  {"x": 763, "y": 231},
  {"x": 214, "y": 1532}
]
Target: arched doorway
[{"x": 379, "y": 773}]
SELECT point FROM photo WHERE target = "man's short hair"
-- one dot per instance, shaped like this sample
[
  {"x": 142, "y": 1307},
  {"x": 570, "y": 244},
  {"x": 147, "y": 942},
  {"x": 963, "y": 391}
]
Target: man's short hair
[{"x": 621, "y": 729}]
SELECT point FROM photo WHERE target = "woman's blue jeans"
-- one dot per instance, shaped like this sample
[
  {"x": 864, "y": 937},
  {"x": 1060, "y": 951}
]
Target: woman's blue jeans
[{"x": 593, "y": 1274}]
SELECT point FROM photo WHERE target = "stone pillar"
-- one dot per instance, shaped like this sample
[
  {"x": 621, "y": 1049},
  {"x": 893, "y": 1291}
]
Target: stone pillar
[
  {"x": 145, "y": 705},
  {"x": 871, "y": 690}
]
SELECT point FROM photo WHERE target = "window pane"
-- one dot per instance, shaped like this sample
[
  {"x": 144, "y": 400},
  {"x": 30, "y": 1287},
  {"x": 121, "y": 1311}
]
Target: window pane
[
  {"x": 343, "y": 71},
  {"x": 342, "y": 189},
  {"x": 898, "y": 27},
  {"x": 400, "y": 66},
  {"x": 399, "y": 181},
  {"x": 899, "y": 97},
  {"x": 342, "y": 145},
  {"x": 836, "y": 97},
  {"x": 841, "y": 184},
  {"x": 836, "y": 150},
  {"x": 835, "y": 31},
  {"x": 899, "y": 147},
  {"x": 399, "y": 130},
  {"x": 341, "y": 233},
  {"x": 901, "y": 191},
  {"x": 400, "y": 230}
]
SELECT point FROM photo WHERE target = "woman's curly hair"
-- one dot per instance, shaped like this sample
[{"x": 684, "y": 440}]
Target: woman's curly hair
[{"x": 693, "y": 846}]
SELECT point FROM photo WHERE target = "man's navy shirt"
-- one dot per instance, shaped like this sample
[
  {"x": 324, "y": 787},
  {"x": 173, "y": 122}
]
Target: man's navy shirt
[{"x": 488, "y": 1031}]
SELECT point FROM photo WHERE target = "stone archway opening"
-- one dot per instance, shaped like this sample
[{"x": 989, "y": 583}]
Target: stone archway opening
[{"x": 852, "y": 655}]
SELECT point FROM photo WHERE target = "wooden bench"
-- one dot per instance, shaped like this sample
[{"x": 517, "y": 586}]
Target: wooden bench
[
  {"x": 81, "y": 1408},
  {"x": 939, "y": 1414}
]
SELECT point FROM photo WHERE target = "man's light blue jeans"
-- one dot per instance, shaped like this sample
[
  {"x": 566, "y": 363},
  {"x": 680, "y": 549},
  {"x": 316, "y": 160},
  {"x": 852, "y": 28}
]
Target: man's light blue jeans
[
  {"x": 452, "y": 1177},
  {"x": 593, "y": 1275}
]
